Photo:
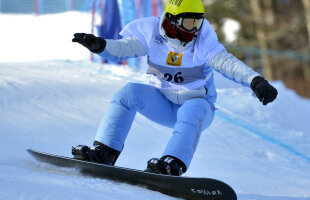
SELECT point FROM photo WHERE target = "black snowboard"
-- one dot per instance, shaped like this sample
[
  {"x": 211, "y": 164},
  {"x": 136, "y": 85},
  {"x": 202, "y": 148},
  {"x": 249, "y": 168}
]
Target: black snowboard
[{"x": 181, "y": 187}]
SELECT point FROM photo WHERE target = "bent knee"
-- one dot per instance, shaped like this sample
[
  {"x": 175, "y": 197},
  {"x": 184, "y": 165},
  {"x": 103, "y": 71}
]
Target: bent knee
[
  {"x": 196, "y": 111},
  {"x": 196, "y": 107},
  {"x": 131, "y": 96}
]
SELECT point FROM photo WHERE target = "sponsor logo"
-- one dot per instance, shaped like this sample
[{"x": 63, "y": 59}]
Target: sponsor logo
[
  {"x": 158, "y": 40},
  {"x": 174, "y": 59},
  {"x": 176, "y": 2},
  {"x": 207, "y": 192}
]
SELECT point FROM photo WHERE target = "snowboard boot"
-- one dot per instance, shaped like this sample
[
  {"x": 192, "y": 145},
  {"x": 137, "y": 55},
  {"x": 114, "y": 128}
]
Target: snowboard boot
[
  {"x": 97, "y": 153},
  {"x": 168, "y": 165}
]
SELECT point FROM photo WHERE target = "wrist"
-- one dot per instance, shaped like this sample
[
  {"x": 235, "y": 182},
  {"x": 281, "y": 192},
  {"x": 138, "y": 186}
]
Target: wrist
[
  {"x": 101, "y": 45},
  {"x": 256, "y": 80}
]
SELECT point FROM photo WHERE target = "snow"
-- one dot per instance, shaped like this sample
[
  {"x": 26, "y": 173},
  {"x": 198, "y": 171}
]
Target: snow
[
  {"x": 31, "y": 38},
  {"x": 52, "y": 98}
]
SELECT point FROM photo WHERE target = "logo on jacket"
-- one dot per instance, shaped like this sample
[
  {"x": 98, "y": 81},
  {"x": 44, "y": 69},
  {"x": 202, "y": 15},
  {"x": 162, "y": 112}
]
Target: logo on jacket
[
  {"x": 158, "y": 40},
  {"x": 174, "y": 59}
]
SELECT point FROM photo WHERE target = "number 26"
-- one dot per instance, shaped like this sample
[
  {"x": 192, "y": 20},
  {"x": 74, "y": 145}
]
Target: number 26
[{"x": 177, "y": 77}]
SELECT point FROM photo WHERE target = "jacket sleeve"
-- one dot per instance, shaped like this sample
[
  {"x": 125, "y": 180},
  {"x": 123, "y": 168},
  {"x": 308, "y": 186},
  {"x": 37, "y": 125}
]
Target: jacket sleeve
[
  {"x": 119, "y": 50},
  {"x": 232, "y": 68}
]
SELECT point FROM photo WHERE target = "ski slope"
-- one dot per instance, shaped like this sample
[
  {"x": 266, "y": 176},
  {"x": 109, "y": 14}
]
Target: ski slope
[{"x": 54, "y": 101}]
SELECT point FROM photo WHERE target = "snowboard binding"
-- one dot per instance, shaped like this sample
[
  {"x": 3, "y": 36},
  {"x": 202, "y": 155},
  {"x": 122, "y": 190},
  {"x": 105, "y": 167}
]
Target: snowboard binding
[
  {"x": 97, "y": 153},
  {"x": 166, "y": 165}
]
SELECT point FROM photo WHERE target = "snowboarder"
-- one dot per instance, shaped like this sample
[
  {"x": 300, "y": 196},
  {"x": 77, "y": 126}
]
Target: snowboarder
[{"x": 182, "y": 51}]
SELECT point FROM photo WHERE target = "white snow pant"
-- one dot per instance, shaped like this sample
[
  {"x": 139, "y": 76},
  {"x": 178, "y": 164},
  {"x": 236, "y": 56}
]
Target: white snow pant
[{"x": 187, "y": 120}]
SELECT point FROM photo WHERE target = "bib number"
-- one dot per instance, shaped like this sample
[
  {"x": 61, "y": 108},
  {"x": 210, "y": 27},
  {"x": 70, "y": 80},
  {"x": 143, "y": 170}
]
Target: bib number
[{"x": 177, "y": 78}]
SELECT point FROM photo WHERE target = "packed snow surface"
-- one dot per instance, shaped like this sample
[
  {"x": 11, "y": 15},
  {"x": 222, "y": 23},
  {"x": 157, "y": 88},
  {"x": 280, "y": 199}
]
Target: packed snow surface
[{"x": 57, "y": 99}]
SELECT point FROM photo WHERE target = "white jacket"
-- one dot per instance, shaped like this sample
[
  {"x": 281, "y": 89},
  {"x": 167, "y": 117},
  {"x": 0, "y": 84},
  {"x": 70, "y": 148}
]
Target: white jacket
[{"x": 179, "y": 75}]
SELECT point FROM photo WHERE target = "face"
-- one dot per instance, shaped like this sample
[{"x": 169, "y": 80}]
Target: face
[{"x": 183, "y": 28}]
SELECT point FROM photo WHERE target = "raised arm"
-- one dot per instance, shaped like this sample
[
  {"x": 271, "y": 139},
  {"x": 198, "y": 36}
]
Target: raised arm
[{"x": 113, "y": 50}]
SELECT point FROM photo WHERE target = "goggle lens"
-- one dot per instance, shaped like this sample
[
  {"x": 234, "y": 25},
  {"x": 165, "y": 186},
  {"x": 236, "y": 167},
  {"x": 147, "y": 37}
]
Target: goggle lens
[{"x": 190, "y": 24}]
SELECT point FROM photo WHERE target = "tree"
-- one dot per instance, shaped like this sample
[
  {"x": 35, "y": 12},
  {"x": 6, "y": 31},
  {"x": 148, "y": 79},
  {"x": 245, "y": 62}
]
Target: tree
[
  {"x": 261, "y": 38},
  {"x": 306, "y": 4},
  {"x": 306, "y": 69}
]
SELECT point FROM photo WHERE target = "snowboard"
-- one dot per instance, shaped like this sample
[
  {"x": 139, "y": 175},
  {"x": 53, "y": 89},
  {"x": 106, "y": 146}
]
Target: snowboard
[{"x": 176, "y": 186}]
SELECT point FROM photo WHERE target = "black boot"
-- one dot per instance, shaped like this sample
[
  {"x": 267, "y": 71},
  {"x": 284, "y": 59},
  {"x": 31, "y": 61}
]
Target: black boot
[
  {"x": 97, "y": 153},
  {"x": 166, "y": 165}
]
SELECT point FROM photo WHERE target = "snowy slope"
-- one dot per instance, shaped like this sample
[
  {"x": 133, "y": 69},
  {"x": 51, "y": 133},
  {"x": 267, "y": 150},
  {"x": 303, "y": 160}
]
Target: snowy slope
[
  {"x": 51, "y": 106},
  {"x": 262, "y": 152}
]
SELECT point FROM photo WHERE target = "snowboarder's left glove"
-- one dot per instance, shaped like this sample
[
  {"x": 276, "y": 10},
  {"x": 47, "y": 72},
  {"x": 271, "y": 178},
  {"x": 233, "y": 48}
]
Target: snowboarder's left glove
[
  {"x": 265, "y": 92},
  {"x": 91, "y": 42}
]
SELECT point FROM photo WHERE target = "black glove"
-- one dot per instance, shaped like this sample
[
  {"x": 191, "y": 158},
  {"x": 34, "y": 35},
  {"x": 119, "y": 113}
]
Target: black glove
[
  {"x": 265, "y": 92},
  {"x": 91, "y": 42}
]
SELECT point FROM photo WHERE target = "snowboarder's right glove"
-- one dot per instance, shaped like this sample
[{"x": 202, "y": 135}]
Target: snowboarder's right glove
[
  {"x": 265, "y": 92},
  {"x": 91, "y": 42}
]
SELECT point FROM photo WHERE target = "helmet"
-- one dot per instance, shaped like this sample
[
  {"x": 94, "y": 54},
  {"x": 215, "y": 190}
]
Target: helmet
[
  {"x": 182, "y": 20},
  {"x": 176, "y": 7},
  {"x": 187, "y": 14}
]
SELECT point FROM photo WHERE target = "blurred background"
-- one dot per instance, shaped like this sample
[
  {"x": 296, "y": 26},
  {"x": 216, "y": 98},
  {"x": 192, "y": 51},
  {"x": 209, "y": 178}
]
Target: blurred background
[{"x": 272, "y": 36}]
